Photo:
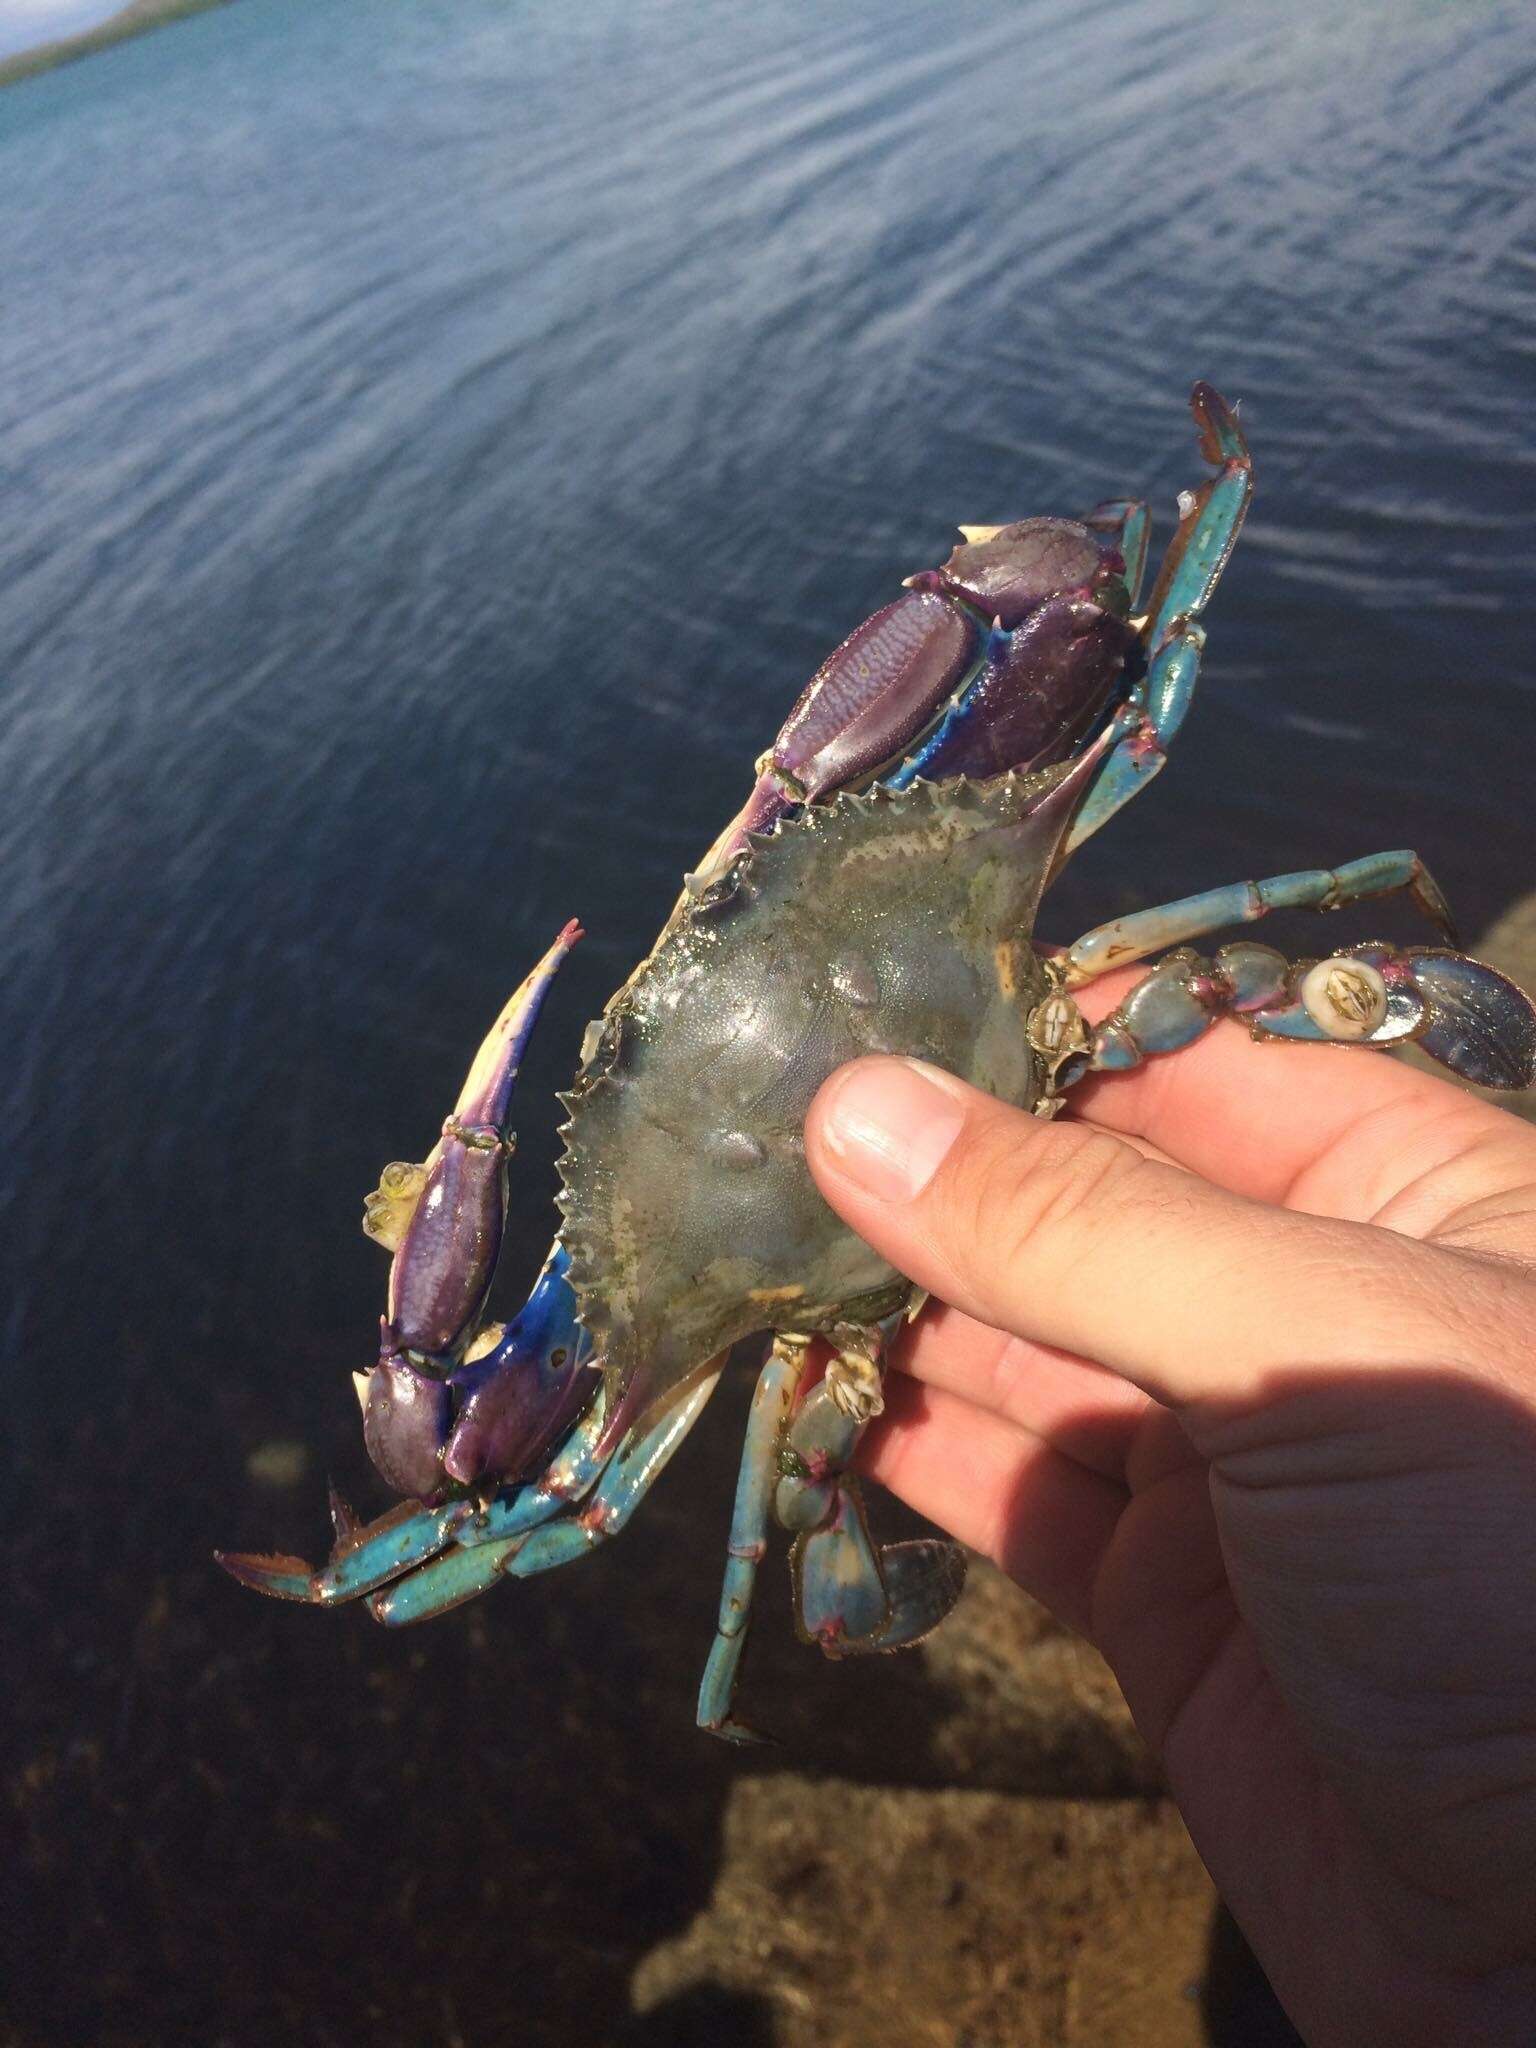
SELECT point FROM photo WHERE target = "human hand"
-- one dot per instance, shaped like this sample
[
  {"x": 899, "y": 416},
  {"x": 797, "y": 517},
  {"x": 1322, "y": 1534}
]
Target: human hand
[{"x": 1237, "y": 1374}]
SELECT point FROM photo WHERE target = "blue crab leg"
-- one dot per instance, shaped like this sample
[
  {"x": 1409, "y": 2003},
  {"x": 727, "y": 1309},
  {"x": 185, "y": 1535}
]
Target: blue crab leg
[
  {"x": 368, "y": 1557},
  {"x": 642, "y": 1456},
  {"x": 1209, "y": 520},
  {"x": 1467, "y": 1016},
  {"x": 411, "y": 1534},
  {"x": 383, "y": 1550},
  {"x": 1126, "y": 939},
  {"x": 838, "y": 1573},
  {"x": 456, "y": 1534},
  {"x": 1130, "y": 521},
  {"x": 849, "y": 1595},
  {"x": 629, "y": 1475},
  {"x": 1461, "y": 1012},
  {"x": 774, "y": 1399}
]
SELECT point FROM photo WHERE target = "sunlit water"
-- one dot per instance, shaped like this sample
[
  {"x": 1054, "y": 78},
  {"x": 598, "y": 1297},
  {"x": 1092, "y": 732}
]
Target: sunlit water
[{"x": 437, "y": 442}]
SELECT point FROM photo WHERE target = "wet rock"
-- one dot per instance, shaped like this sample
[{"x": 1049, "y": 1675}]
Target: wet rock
[{"x": 845, "y": 1915}]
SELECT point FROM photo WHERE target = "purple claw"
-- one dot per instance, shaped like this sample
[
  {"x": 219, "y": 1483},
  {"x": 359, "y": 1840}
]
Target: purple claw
[
  {"x": 1042, "y": 688},
  {"x": 406, "y": 1420},
  {"x": 515, "y": 1413},
  {"x": 1015, "y": 570},
  {"x": 447, "y": 1255},
  {"x": 875, "y": 694}
]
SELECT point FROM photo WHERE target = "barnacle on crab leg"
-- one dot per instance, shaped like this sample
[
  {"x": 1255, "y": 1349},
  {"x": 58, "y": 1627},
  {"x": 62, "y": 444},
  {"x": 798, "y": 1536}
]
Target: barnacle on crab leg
[{"x": 1464, "y": 1014}]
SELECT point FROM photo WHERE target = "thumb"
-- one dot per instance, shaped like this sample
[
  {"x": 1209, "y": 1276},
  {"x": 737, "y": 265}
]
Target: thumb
[{"x": 1069, "y": 1235}]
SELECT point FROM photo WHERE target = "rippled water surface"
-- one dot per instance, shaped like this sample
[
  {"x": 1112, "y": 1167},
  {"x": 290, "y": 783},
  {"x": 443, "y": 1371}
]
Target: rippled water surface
[{"x": 436, "y": 444}]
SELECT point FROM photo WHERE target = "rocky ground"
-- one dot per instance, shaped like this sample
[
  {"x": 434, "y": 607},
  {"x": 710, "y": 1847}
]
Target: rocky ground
[{"x": 1067, "y": 1908}]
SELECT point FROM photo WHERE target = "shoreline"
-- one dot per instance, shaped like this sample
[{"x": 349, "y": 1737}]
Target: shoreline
[{"x": 135, "y": 19}]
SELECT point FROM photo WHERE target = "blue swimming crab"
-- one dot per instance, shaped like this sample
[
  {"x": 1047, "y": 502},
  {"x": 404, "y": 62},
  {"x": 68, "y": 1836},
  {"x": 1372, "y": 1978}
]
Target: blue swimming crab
[{"x": 877, "y": 891}]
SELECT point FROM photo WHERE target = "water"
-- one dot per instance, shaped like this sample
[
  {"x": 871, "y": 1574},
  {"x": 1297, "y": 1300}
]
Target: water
[
  {"x": 436, "y": 445},
  {"x": 26, "y": 23}
]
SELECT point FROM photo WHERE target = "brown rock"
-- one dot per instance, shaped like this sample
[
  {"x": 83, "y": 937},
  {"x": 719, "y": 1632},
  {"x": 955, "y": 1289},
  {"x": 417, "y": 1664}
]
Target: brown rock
[{"x": 844, "y": 1915}]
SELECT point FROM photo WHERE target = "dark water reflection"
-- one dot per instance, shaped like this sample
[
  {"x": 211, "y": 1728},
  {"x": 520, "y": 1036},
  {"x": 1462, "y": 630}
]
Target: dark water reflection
[{"x": 436, "y": 445}]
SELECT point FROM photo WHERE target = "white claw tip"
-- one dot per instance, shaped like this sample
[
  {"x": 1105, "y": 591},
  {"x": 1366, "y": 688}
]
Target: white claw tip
[{"x": 360, "y": 1388}]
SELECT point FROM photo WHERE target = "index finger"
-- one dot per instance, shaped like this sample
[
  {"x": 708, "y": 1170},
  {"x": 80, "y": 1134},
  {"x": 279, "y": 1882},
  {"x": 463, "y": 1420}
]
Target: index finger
[{"x": 1332, "y": 1129}]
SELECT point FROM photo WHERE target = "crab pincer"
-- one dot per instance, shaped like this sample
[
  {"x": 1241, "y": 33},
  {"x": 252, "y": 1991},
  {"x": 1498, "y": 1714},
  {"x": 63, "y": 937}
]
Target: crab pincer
[
  {"x": 999, "y": 661},
  {"x": 444, "y": 1219}
]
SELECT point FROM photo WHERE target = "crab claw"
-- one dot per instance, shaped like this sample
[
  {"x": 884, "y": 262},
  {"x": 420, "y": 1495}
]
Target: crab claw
[
  {"x": 527, "y": 1390},
  {"x": 406, "y": 1418},
  {"x": 447, "y": 1249}
]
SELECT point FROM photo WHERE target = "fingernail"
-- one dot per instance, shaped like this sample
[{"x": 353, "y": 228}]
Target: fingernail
[{"x": 888, "y": 1125}]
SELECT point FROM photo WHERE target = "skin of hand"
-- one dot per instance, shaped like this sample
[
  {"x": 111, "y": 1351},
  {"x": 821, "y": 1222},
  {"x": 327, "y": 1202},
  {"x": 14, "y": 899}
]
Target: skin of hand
[{"x": 1234, "y": 1368}]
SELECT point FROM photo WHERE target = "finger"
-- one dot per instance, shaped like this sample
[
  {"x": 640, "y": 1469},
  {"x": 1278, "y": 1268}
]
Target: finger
[
  {"x": 1091, "y": 1415},
  {"x": 1070, "y": 1236},
  {"x": 1035, "y": 1512},
  {"x": 1318, "y": 1127}
]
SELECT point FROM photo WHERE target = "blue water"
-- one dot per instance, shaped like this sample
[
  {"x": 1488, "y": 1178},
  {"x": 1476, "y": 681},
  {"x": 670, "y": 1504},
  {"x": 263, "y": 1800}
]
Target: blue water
[
  {"x": 438, "y": 441},
  {"x": 24, "y": 24}
]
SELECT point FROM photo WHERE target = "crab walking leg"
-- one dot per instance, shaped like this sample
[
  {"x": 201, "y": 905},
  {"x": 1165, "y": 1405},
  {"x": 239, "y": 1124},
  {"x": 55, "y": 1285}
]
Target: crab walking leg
[
  {"x": 1163, "y": 697},
  {"x": 364, "y": 1558},
  {"x": 1126, "y": 939},
  {"x": 533, "y": 1539},
  {"x": 1210, "y": 518},
  {"x": 627, "y": 1477},
  {"x": 643, "y": 1455},
  {"x": 531, "y": 1374},
  {"x": 411, "y": 1535},
  {"x": 1467, "y": 1016},
  {"x": 772, "y": 1403},
  {"x": 852, "y": 1596},
  {"x": 849, "y": 1595},
  {"x": 484, "y": 1543},
  {"x": 1129, "y": 521}
]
